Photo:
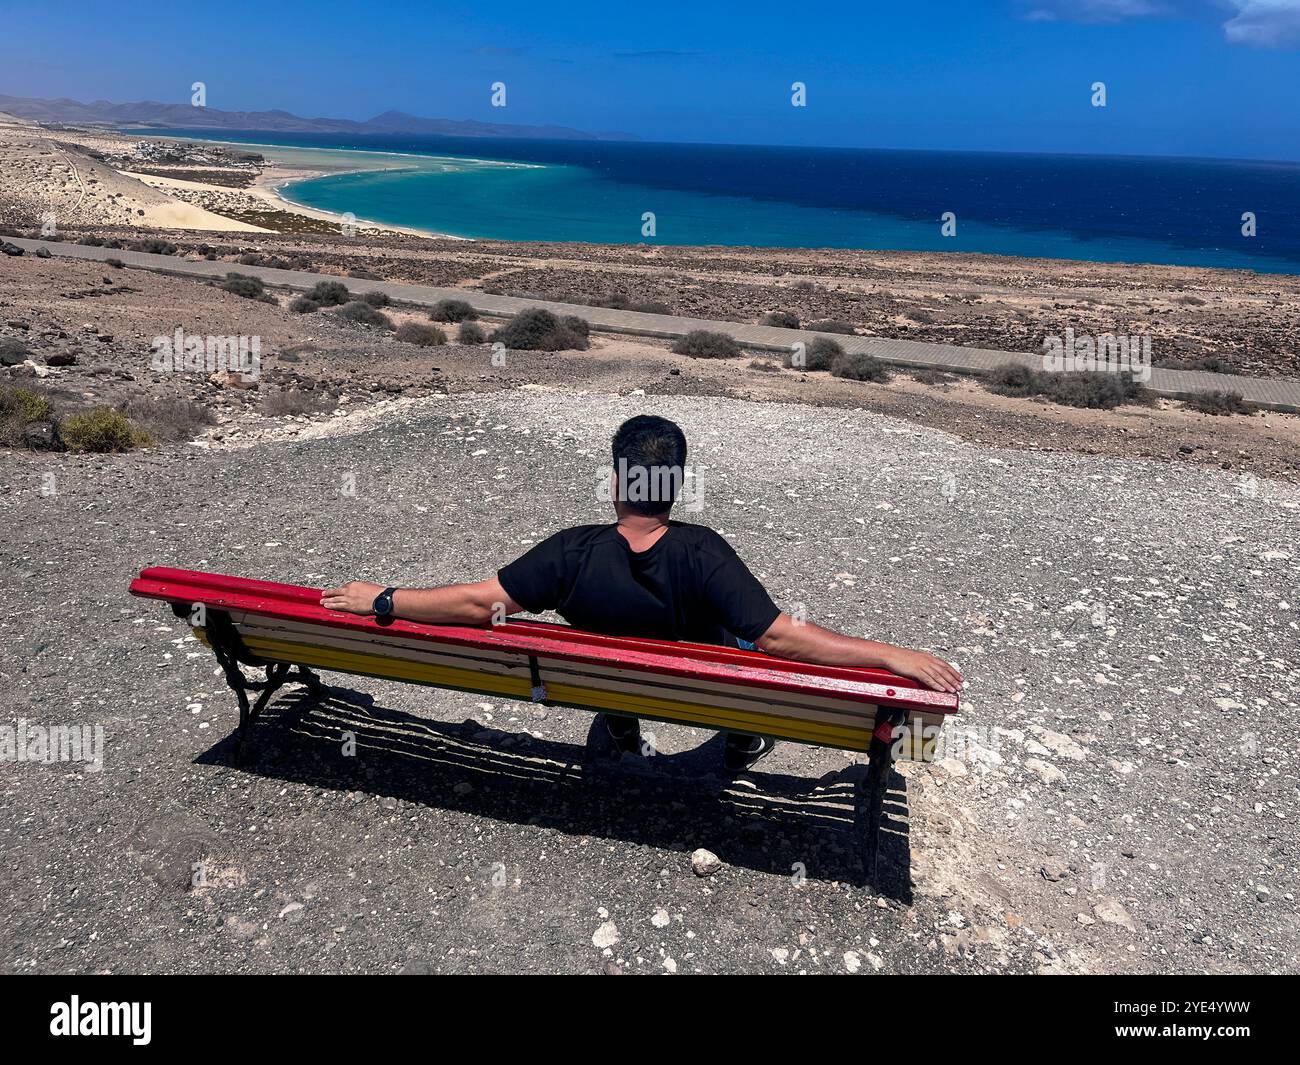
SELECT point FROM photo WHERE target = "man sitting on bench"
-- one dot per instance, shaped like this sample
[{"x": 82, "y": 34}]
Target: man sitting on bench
[{"x": 650, "y": 577}]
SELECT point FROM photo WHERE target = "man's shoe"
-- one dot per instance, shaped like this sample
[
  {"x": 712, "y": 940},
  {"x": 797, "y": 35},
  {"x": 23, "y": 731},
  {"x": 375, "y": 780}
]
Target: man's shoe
[
  {"x": 744, "y": 752},
  {"x": 625, "y": 732}
]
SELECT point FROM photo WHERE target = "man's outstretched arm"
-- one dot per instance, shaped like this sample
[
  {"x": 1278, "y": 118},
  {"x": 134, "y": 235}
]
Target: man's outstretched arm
[
  {"x": 806, "y": 642},
  {"x": 452, "y": 604}
]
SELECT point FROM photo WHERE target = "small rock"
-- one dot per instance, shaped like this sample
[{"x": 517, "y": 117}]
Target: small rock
[
  {"x": 232, "y": 380},
  {"x": 705, "y": 863},
  {"x": 1112, "y": 912},
  {"x": 1054, "y": 869},
  {"x": 605, "y": 936},
  {"x": 40, "y": 436},
  {"x": 1059, "y": 743},
  {"x": 1045, "y": 771}
]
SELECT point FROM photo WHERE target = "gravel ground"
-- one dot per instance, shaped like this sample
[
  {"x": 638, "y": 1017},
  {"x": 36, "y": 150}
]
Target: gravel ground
[{"x": 1123, "y": 798}]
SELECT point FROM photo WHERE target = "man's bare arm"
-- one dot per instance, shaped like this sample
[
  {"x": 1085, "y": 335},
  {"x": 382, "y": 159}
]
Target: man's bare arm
[
  {"x": 806, "y": 642},
  {"x": 451, "y": 604}
]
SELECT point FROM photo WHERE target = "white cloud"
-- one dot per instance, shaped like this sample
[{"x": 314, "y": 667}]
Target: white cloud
[
  {"x": 1258, "y": 23},
  {"x": 1095, "y": 10},
  {"x": 1265, "y": 23}
]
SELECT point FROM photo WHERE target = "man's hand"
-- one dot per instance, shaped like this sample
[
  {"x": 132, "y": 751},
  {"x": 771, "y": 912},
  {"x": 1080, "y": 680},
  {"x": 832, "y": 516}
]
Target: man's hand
[
  {"x": 356, "y": 597},
  {"x": 920, "y": 665},
  {"x": 805, "y": 642}
]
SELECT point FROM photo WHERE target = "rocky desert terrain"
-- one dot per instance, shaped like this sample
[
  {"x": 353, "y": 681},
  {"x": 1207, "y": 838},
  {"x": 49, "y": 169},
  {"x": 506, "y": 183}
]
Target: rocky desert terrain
[{"x": 83, "y": 332}]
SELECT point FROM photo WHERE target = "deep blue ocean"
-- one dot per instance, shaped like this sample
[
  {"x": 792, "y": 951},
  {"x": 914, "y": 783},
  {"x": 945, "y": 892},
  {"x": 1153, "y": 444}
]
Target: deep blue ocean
[{"x": 1098, "y": 208}]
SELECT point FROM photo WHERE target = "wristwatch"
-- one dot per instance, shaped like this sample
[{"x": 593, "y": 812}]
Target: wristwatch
[{"x": 383, "y": 605}]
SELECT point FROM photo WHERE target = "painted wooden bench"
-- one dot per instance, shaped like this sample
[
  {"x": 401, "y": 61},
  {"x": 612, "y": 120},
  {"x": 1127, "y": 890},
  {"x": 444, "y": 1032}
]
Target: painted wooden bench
[{"x": 283, "y": 630}]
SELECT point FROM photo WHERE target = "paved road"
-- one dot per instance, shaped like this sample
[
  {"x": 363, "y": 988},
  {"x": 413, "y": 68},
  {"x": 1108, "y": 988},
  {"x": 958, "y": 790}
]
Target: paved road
[{"x": 1275, "y": 393}]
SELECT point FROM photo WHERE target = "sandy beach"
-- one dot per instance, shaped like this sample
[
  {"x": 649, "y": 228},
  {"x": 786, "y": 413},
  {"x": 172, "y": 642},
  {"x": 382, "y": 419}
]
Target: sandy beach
[
  {"x": 284, "y": 166},
  {"x": 101, "y": 177},
  {"x": 268, "y": 188},
  {"x": 67, "y": 177}
]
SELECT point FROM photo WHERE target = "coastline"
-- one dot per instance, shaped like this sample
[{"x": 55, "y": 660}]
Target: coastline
[
  {"x": 593, "y": 204},
  {"x": 160, "y": 183},
  {"x": 560, "y": 211},
  {"x": 280, "y": 174},
  {"x": 271, "y": 186}
]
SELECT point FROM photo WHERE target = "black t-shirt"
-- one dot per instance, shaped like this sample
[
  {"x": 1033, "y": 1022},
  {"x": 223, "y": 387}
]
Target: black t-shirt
[{"x": 689, "y": 585}]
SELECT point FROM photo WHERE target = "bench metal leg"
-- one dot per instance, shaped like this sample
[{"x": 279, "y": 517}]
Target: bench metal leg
[
  {"x": 227, "y": 647},
  {"x": 879, "y": 769},
  {"x": 278, "y": 674}
]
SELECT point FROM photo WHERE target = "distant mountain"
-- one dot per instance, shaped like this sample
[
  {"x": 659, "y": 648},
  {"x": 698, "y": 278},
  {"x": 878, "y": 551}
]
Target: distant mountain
[{"x": 183, "y": 116}]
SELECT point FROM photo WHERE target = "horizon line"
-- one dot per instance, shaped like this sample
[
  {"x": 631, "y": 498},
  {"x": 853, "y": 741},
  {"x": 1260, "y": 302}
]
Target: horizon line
[{"x": 614, "y": 136}]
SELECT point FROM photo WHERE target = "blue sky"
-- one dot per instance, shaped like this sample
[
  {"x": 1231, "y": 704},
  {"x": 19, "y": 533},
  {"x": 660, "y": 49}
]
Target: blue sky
[{"x": 1183, "y": 77}]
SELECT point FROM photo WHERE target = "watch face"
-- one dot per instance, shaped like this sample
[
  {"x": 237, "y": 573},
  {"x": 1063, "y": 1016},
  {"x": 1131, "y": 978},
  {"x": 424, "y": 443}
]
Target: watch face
[{"x": 383, "y": 603}]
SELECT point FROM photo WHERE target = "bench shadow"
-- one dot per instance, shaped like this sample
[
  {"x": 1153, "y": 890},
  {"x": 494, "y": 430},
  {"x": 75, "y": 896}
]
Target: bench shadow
[{"x": 767, "y": 822}]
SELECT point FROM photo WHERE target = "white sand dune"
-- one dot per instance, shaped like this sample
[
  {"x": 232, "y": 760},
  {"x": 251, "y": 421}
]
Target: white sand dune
[{"x": 41, "y": 174}]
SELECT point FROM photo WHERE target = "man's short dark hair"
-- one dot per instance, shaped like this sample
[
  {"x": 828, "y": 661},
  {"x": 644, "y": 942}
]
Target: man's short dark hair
[{"x": 650, "y": 460}]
